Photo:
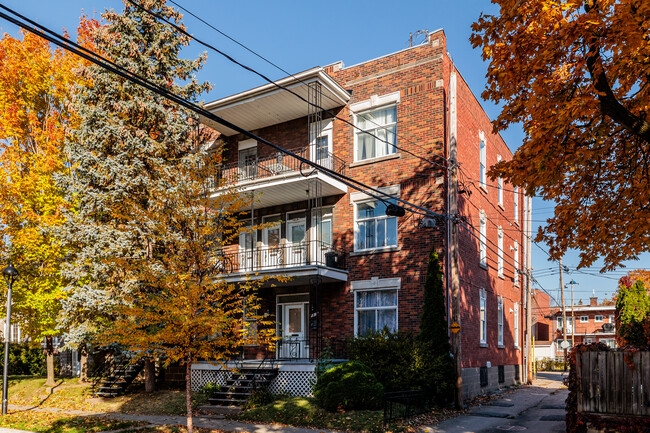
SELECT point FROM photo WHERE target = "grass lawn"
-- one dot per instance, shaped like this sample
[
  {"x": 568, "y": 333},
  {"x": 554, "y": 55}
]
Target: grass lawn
[
  {"x": 70, "y": 394},
  {"x": 43, "y": 422},
  {"x": 303, "y": 412}
]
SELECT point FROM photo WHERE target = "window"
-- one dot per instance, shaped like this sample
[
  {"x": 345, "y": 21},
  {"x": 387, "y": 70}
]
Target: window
[
  {"x": 373, "y": 228},
  {"x": 375, "y": 310},
  {"x": 516, "y": 263},
  {"x": 500, "y": 320},
  {"x": 516, "y": 205},
  {"x": 378, "y": 136},
  {"x": 598, "y": 318},
  {"x": 483, "y": 237},
  {"x": 516, "y": 319},
  {"x": 500, "y": 253},
  {"x": 483, "y": 324},
  {"x": 612, "y": 319},
  {"x": 15, "y": 333},
  {"x": 568, "y": 323},
  {"x": 483, "y": 164},
  {"x": 589, "y": 340},
  {"x": 584, "y": 319},
  {"x": 499, "y": 186},
  {"x": 247, "y": 159},
  {"x": 321, "y": 144}
]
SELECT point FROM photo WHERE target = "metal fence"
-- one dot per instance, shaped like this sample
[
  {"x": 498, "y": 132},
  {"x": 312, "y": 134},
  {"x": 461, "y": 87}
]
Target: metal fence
[{"x": 405, "y": 404}]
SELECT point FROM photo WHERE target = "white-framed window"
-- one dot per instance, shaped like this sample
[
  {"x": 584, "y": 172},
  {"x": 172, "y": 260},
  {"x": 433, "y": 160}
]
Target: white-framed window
[
  {"x": 378, "y": 134},
  {"x": 15, "y": 333},
  {"x": 373, "y": 228},
  {"x": 500, "y": 252},
  {"x": 516, "y": 204},
  {"x": 321, "y": 145},
  {"x": 568, "y": 323},
  {"x": 482, "y": 317},
  {"x": 584, "y": 319},
  {"x": 483, "y": 161},
  {"x": 499, "y": 186},
  {"x": 589, "y": 340},
  {"x": 516, "y": 319},
  {"x": 612, "y": 318},
  {"x": 375, "y": 305},
  {"x": 482, "y": 238},
  {"x": 598, "y": 318},
  {"x": 515, "y": 248},
  {"x": 500, "y": 320}
]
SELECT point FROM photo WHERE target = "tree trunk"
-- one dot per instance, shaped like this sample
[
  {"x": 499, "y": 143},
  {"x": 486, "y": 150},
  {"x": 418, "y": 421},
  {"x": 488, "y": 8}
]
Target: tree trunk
[
  {"x": 149, "y": 375},
  {"x": 49, "y": 352},
  {"x": 188, "y": 390},
  {"x": 83, "y": 363}
]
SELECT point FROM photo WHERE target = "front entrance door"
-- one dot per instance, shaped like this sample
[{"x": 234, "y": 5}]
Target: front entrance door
[{"x": 294, "y": 336}]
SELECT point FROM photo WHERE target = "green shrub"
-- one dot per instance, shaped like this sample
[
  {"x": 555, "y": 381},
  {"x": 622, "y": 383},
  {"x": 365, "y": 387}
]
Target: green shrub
[
  {"x": 350, "y": 385},
  {"x": 392, "y": 357},
  {"x": 24, "y": 360}
]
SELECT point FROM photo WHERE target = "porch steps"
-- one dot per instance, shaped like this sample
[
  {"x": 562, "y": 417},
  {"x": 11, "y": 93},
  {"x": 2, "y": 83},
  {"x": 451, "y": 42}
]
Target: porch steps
[
  {"x": 119, "y": 378},
  {"x": 241, "y": 384}
]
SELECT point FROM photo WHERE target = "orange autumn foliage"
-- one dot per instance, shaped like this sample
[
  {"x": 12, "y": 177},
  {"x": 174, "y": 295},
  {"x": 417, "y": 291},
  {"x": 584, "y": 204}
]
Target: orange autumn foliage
[
  {"x": 35, "y": 85},
  {"x": 576, "y": 75}
]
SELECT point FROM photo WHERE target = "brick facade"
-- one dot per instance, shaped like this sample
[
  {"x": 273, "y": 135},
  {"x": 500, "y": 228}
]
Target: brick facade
[{"x": 421, "y": 76}]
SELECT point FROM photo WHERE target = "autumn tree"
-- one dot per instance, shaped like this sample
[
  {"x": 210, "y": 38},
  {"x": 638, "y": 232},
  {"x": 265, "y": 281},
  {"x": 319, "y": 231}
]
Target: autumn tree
[
  {"x": 576, "y": 74},
  {"x": 35, "y": 85}
]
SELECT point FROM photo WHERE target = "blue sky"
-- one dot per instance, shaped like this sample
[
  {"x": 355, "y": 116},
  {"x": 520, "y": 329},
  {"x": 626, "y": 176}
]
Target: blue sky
[{"x": 298, "y": 35}]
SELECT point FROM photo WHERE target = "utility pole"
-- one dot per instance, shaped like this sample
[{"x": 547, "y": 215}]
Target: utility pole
[
  {"x": 528, "y": 209},
  {"x": 452, "y": 226},
  {"x": 563, "y": 314},
  {"x": 573, "y": 319}
]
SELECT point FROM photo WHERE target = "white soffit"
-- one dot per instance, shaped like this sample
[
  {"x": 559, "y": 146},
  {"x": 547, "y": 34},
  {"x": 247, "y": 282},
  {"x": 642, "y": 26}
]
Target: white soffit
[{"x": 269, "y": 105}]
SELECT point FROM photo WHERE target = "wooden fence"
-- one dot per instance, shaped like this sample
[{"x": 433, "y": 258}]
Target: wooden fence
[{"x": 608, "y": 385}]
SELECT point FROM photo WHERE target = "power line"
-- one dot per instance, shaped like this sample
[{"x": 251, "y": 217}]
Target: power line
[
  {"x": 97, "y": 59},
  {"x": 279, "y": 86}
]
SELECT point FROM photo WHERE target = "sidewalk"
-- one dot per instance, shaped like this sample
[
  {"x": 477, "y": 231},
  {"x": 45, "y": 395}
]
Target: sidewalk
[
  {"x": 538, "y": 407},
  {"x": 209, "y": 422}
]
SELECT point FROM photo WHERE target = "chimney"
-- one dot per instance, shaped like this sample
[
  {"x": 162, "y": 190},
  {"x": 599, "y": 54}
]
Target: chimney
[{"x": 593, "y": 301}]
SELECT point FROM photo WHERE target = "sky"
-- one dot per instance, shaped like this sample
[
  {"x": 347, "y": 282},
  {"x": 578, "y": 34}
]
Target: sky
[{"x": 298, "y": 35}]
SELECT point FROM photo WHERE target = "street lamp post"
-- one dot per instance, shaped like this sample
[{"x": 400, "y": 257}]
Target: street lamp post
[{"x": 10, "y": 273}]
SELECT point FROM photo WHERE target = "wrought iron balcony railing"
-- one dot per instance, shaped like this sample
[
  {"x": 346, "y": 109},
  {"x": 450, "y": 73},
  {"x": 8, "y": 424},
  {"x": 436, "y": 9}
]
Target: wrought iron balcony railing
[
  {"x": 282, "y": 256},
  {"x": 260, "y": 168}
]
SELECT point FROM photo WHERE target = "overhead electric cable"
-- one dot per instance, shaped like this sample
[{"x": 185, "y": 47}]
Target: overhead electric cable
[
  {"x": 279, "y": 86},
  {"x": 97, "y": 59}
]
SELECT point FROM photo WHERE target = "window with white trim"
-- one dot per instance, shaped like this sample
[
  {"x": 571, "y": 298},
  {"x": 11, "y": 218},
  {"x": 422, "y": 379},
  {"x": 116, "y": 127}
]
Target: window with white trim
[
  {"x": 378, "y": 135},
  {"x": 483, "y": 239},
  {"x": 373, "y": 228},
  {"x": 515, "y": 248},
  {"x": 500, "y": 252},
  {"x": 499, "y": 186},
  {"x": 598, "y": 318},
  {"x": 516, "y": 320},
  {"x": 612, "y": 319},
  {"x": 584, "y": 319},
  {"x": 500, "y": 320},
  {"x": 375, "y": 310},
  {"x": 483, "y": 163},
  {"x": 516, "y": 204},
  {"x": 482, "y": 317}
]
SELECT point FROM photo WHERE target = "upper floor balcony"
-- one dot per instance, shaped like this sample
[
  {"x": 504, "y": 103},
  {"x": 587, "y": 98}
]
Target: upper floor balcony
[{"x": 295, "y": 261}]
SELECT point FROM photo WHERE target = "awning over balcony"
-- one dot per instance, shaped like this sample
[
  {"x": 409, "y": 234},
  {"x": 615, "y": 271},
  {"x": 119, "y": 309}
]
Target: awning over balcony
[{"x": 268, "y": 105}]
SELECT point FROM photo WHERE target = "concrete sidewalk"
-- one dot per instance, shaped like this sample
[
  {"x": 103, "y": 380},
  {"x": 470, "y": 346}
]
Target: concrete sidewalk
[
  {"x": 208, "y": 422},
  {"x": 535, "y": 408}
]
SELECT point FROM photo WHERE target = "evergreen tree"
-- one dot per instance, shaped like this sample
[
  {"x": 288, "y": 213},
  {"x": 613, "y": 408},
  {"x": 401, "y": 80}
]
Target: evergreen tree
[
  {"x": 148, "y": 227},
  {"x": 438, "y": 370}
]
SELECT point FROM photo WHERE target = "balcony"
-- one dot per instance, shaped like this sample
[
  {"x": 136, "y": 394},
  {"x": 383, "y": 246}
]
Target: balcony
[
  {"x": 297, "y": 262},
  {"x": 282, "y": 178}
]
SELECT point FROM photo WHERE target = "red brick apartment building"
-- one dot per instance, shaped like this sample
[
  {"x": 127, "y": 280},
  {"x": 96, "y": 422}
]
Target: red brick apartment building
[
  {"x": 593, "y": 324},
  {"x": 543, "y": 320},
  {"x": 352, "y": 268}
]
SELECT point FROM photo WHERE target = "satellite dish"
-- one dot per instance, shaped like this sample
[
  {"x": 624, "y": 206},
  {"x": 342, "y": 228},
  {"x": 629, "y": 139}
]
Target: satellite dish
[{"x": 608, "y": 327}]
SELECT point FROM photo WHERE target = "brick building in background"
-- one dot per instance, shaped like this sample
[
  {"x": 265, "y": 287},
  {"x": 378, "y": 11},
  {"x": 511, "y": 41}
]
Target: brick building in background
[
  {"x": 352, "y": 268},
  {"x": 593, "y": 324}
]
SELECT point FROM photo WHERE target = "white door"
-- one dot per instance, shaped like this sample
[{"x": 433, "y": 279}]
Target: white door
[
  {"x": 323, "y": 240},
  {"x": 321, "y": 148},
  {"x": 294, "y": 344},
  {"x": 271, "y": 251},
  {"x": 296, "y": 240},
  {"x": 246, "y": 252}
]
